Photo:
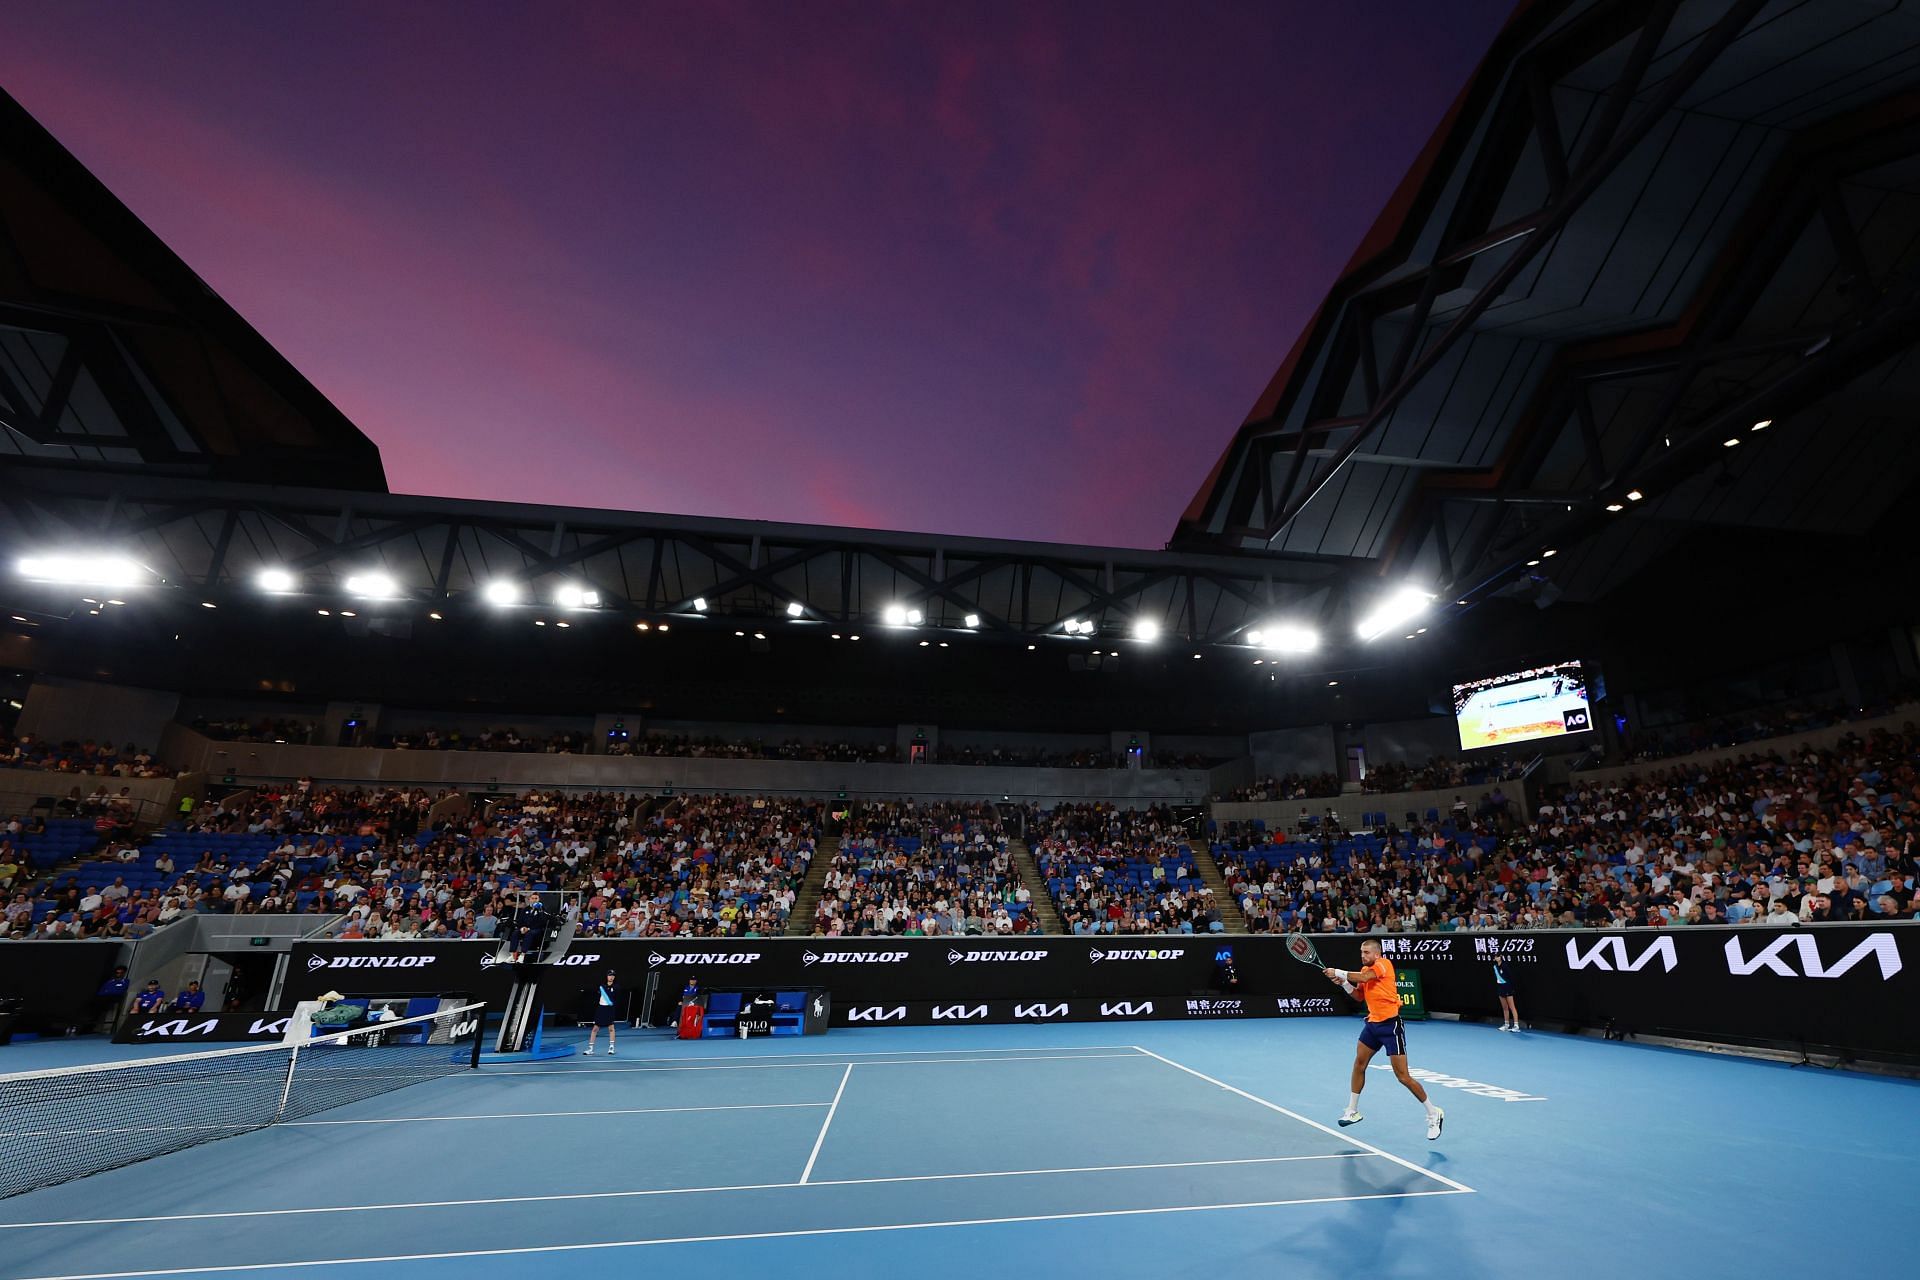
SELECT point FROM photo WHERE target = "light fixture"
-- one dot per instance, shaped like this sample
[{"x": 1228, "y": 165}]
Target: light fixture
[
  {"x": 436, "y": 616},
  {"x": 501, "y": 593},
  {"x": 894, "y": 615},
  {"x": 1763, "y": 424},
  {"x": 1291, "y": 638},
  {"x": 1532, "y": 563},
  {"x": 1146, "y": 629},
  {"x": 741, "y": 634},
  {"x": 325, "y": 613},
  {"x": 795, "y": 608},
  {"x": 699, "y": 604},
  {"x": 640, "y": 626},
  {"x": 1409, "y": 635},
  {"x": 1196, "y": 657},
  {"x": 1634, "y": 495},
  {"x": 1255, "y": 637},
  {"x": 563, "y": 623},
  {"x": 1419, "y": 631},
  {"x": 348, "y": 613},
  {"x": 663, "y": 627},
  {"x": 853, "y": 637},
  {"x": 82, "y": 570},
  {"x": 539, "y": 622},
  {"x": 1615, "y": 506},
  {"x": 278, "y": 581},
  {"x": 1332, "y": 683},
  {"x": 836, "y": 635},
  {"x": 574, "y": 596},
  {"x": 759, "y": 635},
  {"x": 925, "y": 643},
  {"x": 943, "y": 644},
  {"x": 208, "y": 604},
  {"x": 1731, "y": 441},
  {"x": 372, "y": 586},
  {"x": 1030, "y": 648},
  {"x": 1259, "y": 662},
  {"x": 972, "y": 620},
  {"x": 1549, "y": 553},
  {"x": 1396, "y": 609},
  {"x": 915, "y": 617}
]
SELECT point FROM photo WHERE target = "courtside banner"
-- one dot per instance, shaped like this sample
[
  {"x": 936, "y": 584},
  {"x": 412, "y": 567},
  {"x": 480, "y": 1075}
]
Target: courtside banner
[
  {"x": 358, "y": 968},
  {"x": 1838, "y": 986},
  {"x": 200, "y": 1028}
]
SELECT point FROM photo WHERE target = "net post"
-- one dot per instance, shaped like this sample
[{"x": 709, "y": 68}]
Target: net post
[
  {"x": 286, "y": 1088},
  {"x": 479, "y": 1034}
]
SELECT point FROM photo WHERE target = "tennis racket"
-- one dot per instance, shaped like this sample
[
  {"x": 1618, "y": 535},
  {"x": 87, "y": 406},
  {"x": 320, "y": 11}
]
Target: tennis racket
[{"x": 1300, "y": 947}]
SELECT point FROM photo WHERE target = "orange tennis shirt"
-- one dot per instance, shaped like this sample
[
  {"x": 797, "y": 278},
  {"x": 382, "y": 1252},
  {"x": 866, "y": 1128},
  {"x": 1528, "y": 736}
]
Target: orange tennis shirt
[{"x": 1383, "y": 997}]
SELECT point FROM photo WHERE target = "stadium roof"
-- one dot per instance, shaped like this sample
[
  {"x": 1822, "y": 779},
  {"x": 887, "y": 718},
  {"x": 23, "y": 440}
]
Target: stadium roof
[
  {"x": 1644, "y": 230},
  {"x": 114, "y": 354}
]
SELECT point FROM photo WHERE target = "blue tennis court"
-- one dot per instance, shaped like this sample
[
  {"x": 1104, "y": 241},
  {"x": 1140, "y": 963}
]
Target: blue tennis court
[{"x": 1168, "y": 1149}]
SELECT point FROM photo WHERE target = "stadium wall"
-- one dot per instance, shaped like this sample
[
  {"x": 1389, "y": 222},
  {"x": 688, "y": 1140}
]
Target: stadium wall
[
  {"x": 1284, "y": 815},
  {"x": 1826, "y": 986},
  {"x": 253, "y": 762},
  {"x": 58, "y": 710},
  {"x": 1817, "y": 739}
]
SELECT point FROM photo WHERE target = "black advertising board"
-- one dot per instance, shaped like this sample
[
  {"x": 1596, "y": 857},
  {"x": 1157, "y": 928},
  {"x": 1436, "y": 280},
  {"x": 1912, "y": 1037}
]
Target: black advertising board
[
  {"x": 57, "y": 980},
  {"x": 207, "y": 1028},
  {"x": 1828, "y": 986}
]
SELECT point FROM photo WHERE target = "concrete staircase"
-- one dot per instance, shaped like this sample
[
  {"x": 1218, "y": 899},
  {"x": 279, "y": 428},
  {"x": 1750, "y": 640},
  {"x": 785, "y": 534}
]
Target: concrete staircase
[
  {"x": 807, "y": 900},
  {"x": 1044, "y": 914},
  {"x": 1210, "y": 875}
]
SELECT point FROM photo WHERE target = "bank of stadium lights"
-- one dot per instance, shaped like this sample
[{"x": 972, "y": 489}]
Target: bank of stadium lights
[
  {"x": 83, "y": 569},
  {"x": 1285, "y": 638},
  {"x": 277, "y": 582},
  {"x": 699, "y": 604},
  {"x": 501, "y": 594},
  {"x": 372, "y": 586},
  {"x": 795, "y": 609},
  {"x": 972, "y": 620},
  {"x": 898, "y": 615},
  {"x": 574, "y": 596},
  {"x": 1077, "y": 627},
  {"x": 1395, "y": 610},
  {"x": 1146, "y": 629}
]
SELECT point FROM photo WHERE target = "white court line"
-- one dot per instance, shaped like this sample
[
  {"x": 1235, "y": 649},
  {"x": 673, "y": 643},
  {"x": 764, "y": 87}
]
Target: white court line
[
  {"x": 1274, "y": 1106},
  {"x": 798, "y": 1066},
  {"x": 744, "y": 1235},
  {"x": 542, "y": 1115},
  {"x": 827, "y": 1123},
  {"x": 878, "y": 1053},
  {"x": 672, "y": 1191}
]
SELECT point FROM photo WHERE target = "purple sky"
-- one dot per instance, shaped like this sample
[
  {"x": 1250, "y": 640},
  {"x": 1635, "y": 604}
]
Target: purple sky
[{"x": 1009, "y": 270}]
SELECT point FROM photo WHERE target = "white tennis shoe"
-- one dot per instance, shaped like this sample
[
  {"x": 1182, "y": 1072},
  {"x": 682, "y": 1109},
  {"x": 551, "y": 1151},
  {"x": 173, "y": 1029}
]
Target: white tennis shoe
[
  {"x": 1351, "y": 1117},
  {"x": 1435, "y": 1119}
]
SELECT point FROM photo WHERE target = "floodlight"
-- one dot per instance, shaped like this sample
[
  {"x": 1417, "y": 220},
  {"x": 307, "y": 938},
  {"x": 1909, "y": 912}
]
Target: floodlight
[{"x": 1396, "y": 609}]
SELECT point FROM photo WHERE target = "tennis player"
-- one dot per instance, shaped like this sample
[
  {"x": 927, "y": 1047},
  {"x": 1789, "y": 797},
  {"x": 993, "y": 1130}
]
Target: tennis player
[
  {"x": 606, "y": 999},
  {"x": 1384, "y": 1030}
]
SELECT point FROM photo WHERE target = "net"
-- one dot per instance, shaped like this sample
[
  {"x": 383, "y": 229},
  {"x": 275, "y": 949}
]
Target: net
[{"x": 73, "y": 1121}]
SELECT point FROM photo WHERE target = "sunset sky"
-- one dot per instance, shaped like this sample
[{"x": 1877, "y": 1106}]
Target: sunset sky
[{"x": 1011, "y": 270}]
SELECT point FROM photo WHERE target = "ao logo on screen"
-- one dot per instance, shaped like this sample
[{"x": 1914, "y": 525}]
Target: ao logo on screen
[{"x": 1577, "y": 719}]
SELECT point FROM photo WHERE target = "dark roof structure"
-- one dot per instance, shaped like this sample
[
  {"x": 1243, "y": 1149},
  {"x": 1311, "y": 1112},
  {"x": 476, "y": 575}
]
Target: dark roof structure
[
  {"x": 1654, "y": 273},
  {"x": 114, "y": 354}
]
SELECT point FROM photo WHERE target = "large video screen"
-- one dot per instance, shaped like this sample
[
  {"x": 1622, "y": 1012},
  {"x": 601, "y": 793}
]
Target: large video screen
[{"x": 1542, "y": 702}]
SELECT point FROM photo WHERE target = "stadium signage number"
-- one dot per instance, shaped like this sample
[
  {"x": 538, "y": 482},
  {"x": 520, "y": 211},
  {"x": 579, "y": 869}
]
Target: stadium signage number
[
  {"x": 1127, "y": 1009},
  {"x": 958, "y": 1012},
  {"x": 957, "y": 956},
  {"x": 853, "y": 957},
  {"x": 369, "y": 962},
  {"x": 1425, "y": 948},
  {"x": 1148, "y": 953},
  {"x": 1879, "y": 945},
  {"x": 1596, "y": 955},
  {"x": 878, "y": 1013},
  {"x": 703, "y": 957}
]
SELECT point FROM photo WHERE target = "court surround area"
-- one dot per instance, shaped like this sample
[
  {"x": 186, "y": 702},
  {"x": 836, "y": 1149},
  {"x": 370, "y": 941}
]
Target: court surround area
[{"x": 1167, "y": 1150}]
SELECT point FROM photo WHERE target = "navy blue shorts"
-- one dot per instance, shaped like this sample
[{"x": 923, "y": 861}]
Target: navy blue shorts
[
  {"x": 603, "y": 1015},
  {"x": 1390, "y": 1035}
]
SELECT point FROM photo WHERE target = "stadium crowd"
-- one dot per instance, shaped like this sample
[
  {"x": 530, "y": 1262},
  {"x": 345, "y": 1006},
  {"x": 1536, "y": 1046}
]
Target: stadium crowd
[
  {"x": 1814, "y": 836},
  {"x": 923, "y": 871},
  {"x": 100, "y": 759},
  {"x": 696, "y": 865},
  {"x": 1113, "y": 870},
  {"x": 1291, "y": 786}
]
